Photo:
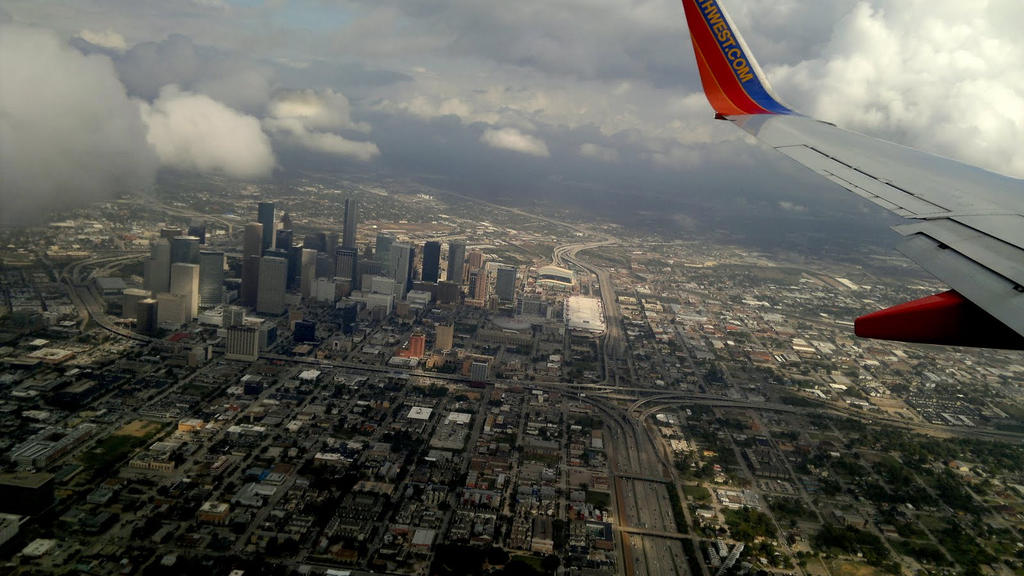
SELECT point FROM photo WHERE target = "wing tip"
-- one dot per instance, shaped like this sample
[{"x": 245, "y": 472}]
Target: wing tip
[{"x": 732, "y": 80}]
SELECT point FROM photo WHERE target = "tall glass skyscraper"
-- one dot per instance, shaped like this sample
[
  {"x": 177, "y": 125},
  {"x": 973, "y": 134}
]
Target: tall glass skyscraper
[
  {"x": 265, "y": 216},
  {"x": 431, "y": 261},
  {"x": 348, "y": 239}
]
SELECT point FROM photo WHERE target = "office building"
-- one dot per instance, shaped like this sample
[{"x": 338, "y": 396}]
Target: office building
[
  {"x": 307, "y": 272},
  {"x": 294, "y": 267},
  {"x": 476, "y": 260},
  {"x": 242, "y": 343},
  {"x": 250, "y": 281},
  {"x": 198, "y": 229},
  {"x": 265, "y": 216},
  {"x": 171, "y": 310},
  {"x": 315, "y": 241},
  {"x": 233, "y": 316},
  {"x": 417, "y": 345},
  {"x": 26, "y": 493},
  {"x": 346, "y": 265},
  {"x": 478, "y": 284},
  {"x": 448, "y": 292},
  {"x": 130, "y": 299},
  {"x": 157, "y": 270},
  {"x": 185, "y": 283},
  {"x": 283, "y": 239},
  {"x": 444, "y": 337},
  {"x": 456, "y": 262},
  {"x": 431, "y": 261},
  {"x": 146, "y": 318},
  {"x": 505, "y": 283},
  {"x": 402, "y": 260},
  {"x": 273, "y": 274},
  {"x": 252, "y": 244},
  {"x": 211, "y": 278},
  {"x": 351, "y": 215},
  {"x": 383, "y": 247},
  {"x": 304, "y": 331},
  {"x": 185, "y": 249},
  {"x": 168, "y": 233},
  {"x": 478, "y": 371}
]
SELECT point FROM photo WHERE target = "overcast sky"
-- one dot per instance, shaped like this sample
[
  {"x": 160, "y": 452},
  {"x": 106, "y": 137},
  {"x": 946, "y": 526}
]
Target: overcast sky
[{"x": 534, "y": 97}]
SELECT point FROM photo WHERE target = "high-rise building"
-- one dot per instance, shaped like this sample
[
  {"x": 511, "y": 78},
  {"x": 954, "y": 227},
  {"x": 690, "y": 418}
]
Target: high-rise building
[
  {"x": 307, "y": 272},
  {"x": 130, "y": 301},
  {"x": 444, "y": 337},
  {"x": 171, "y": 309},
  {"x": 198, "y": 229},
  {"x": 242, "y": 343},
  {"x": 294, "y": 266},
  {"x": 346, "y": 265},
  {"x": 315, "y": 241},
  {"x": 265, "y": 216},
  {"x": 168, "y": 233},
  {"x": 448, "y": 292},
  {"x": 505, "y": 283},
  {"x": 157, "y": 270},
  {"x": 185, "y": 249},
  {"x": 250, "y": 281},
  {"x": 273, "y": 275},
  {"x": 383, "y": 247},
  {"x": 252, "y": 245},
  {"x": 402, "y": 258},
  {"x": 476, "y": 259},
  {"x": 431, "y": 261},
  {"x": 146, "y": 316},
  {"x": 478, "y": 284},
  {"x": 233, "y": 316},
  {"x": 283, "y": 239},
  {"x": 331, "y": 243},
  {"x": 351, "y": 216},
  {"x": 211, "y": 278},
  {"x": 456, "y": 262},
  {"x": 185, "y": 283}
]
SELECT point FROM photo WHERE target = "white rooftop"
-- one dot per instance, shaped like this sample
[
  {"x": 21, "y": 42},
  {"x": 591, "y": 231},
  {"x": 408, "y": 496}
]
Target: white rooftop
[{"x": 420, "y": 413}]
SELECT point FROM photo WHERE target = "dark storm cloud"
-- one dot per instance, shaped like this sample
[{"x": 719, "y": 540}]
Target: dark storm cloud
[
  {"x": 226, "y": 76},
  {"x": 639, "y": 40}
]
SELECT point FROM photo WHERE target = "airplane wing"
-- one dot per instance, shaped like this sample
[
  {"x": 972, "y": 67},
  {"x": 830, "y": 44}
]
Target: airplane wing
[{"x": 964, "y": 225}]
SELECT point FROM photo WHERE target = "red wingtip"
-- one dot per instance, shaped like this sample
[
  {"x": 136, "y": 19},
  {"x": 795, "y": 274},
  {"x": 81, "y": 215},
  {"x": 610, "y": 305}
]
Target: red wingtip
[{"x": 947, "y": 318}]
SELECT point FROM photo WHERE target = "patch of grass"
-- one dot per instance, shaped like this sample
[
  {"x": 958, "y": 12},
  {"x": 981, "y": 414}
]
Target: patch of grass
[
  {"x": 698, "y": 493},
  {"x": 110, "y": 451}
]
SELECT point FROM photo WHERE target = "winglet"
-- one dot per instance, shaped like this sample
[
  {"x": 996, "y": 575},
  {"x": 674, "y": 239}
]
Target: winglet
[{"x": 733, "y": 82}]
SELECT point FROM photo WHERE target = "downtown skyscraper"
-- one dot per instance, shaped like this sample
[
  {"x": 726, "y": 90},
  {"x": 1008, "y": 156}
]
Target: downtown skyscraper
[
  {"x": 265, "y": 216},
  {"x": 456, "y": 262},
  {"x": 348, "y": 239},
  {"x": 431, "y": 261}
]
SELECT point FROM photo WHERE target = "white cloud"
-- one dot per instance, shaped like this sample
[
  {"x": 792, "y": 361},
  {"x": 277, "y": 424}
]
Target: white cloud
[
  {"x": 934, "y": 78},
  {"x": 598, "y": 152},
  {"x": 68, "y": 132},
  {"x": 309, "y": 118},
  {"x": 516, "y": 141},
  {"x": 791, "y": 207},
  {"x": 192, "y": 131},
  {"x": 317, "y": 110},
  {"x": 105, "y": 39}
]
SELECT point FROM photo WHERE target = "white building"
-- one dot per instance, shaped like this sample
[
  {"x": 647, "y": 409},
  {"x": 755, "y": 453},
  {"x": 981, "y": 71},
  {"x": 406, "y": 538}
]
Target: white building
[{"x": 584, "y": 314}]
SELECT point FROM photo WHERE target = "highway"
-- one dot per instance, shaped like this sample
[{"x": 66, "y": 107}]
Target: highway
[{"x": 648, "y": 539}]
